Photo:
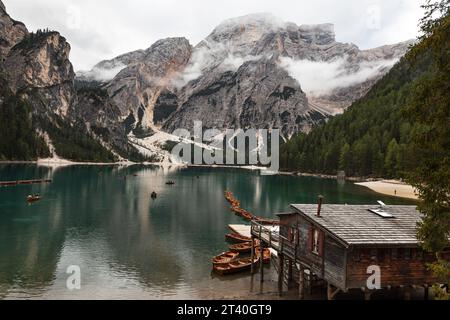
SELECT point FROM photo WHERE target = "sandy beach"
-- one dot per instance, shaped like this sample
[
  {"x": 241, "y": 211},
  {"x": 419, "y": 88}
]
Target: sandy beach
[{"x": 392, "y": 188}]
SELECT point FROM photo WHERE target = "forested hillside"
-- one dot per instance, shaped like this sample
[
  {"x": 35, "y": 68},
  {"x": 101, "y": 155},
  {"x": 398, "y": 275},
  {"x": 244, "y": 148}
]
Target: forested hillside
[
  {"x": 27, "y": 114},
  {"x": 18, "y": 138},
  {"x": 374, "y": 136}
]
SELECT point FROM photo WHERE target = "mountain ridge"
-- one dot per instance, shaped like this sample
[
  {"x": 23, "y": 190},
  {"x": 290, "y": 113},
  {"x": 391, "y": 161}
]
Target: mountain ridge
[
  {"x": 248, "y": 40},
  {"x": 237, "y": 77}
]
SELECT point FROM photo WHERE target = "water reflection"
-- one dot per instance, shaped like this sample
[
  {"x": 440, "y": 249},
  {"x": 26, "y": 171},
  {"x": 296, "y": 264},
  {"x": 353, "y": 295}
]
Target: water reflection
[{"x": 127, "y": 244}]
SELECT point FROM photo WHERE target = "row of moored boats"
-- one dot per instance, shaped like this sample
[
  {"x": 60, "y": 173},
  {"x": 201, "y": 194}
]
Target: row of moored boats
[
  {"x": 237, "y": 259},
  {"x": 244, "y": 214}
]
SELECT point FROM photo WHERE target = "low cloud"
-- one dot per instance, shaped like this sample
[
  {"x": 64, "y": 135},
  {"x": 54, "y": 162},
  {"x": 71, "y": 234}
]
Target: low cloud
[
  {"x": 194, "y": 69},
  {"x": 234, "y": 62},
  {"x": 102, "y": 74},
  {"x": 318, "y": 78},
  {"x": 93, "y": 28},
  {"x": 209, "y": 56}
]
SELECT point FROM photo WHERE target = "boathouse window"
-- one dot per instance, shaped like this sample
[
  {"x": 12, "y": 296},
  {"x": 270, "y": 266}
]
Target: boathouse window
[
  {"x": 316, "y": 241},
  {"x": 293, "y": 235},
  {"x": 419, "y": 254},
  {"x": 407, "y": 254},
  {"x": 373, "y": 254},
  {"x": 381, "y": 255},
  {"x": 357, "y": 255},
  {"x": 394, "y": 254}
]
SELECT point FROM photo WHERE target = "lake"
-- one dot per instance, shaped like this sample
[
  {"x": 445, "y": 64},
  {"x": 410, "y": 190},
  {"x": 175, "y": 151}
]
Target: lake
[{"x": 129, "y": 246}]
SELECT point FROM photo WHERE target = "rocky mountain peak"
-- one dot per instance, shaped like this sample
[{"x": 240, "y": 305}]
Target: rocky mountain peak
[
  {"x": 251, "y": 27},
  {"x": 167, "y": 55},
  {"x": 107, "y": 70},
  {"x": 252, "y": 71},
  {"x": 137, "y": 87},
  {"x": 11, "y": 32},
  {"x": 40, "y": 63},
  {"x": 320, "y": 34},
  {"x": 40, "y": 60}
]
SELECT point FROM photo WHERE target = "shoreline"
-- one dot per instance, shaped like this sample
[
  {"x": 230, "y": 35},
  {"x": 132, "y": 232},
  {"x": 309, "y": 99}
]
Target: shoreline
[{"x": 392, "y": 188}]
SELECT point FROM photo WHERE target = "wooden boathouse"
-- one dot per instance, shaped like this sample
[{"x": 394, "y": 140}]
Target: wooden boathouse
[{"x": 342, "y": 245}]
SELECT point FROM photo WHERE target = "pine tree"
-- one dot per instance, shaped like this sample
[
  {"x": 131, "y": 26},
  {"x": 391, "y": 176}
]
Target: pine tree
[
  {"x": 390, "y": 164},
  {"x": 429, "y": 109}
]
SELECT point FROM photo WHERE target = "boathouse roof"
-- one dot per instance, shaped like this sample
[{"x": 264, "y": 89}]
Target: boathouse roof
[{"x": 366, "y": 225}]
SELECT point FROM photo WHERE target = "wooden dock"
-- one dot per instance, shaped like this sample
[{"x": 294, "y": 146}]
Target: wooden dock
[
  {"x": 241, "y": 229},
  {"x": 260, "y": 232},
  {"x": 23, "y": 182}
]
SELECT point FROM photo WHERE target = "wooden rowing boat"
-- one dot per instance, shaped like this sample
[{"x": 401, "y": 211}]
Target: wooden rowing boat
[
  {"x": 34, "y": 198},
  {"x": 244, "y": 247},
  {"x": 225, "y": 258},
  {"x": 236, "y": 208},
  {"x": 237, "y": 238},
  {"x": 235, "y": 266}
]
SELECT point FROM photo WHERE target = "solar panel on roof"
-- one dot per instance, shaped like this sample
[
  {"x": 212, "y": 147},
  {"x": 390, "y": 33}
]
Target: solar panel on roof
[
  {"x": 382, "y": 210},
  {"x": 382, "y": 213}
]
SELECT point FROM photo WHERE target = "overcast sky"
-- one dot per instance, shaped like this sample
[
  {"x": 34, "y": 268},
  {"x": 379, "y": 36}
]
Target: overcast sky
[{"x": 103, "y": 29}]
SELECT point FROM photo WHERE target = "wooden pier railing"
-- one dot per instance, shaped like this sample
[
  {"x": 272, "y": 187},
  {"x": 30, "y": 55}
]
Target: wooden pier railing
[{"x": 277, "y": 242}]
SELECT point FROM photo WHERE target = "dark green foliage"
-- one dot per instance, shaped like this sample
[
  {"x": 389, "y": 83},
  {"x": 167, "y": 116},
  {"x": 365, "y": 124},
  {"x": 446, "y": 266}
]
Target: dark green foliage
[
  {"x": 372, "y": 138},
  {"x": 18, "y": 138},
  {"x": 400, "y": 129},
  {"x": 73, "y": 143},
  {"x": 132, "y": 154},
  {"x": 32, "y": 38},
  {"x": 429, "y": 107},
  {"x": 93, "y": 92}
]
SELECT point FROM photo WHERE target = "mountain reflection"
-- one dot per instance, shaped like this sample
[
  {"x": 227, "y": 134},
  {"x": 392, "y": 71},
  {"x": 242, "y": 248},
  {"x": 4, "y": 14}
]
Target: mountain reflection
[{"x": 127, "y": 244}]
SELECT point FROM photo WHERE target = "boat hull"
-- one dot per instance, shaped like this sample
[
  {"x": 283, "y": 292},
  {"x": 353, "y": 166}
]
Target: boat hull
[
  {"x": 244, "y": 247},
  {"x": 236, "y": 238},
  {"x": 237, "y": 266},
  {"x": 225, "y": 258}
]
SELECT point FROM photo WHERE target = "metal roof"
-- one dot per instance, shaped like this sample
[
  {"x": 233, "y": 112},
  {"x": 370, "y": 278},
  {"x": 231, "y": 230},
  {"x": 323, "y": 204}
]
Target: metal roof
[{"x": 357, "y": 225}]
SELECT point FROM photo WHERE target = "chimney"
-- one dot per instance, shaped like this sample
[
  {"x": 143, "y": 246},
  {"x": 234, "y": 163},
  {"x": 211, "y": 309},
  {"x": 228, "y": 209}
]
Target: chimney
[{"x": 319, "y": 209}]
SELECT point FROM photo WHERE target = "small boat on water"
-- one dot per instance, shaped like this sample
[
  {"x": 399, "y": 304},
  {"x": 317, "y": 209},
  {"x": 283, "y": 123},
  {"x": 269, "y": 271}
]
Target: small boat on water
[
  {"x": 237, "y": 238},
  {"x": 154, "y": 195},
  {"x": 225, "y": 258},
  {"x": 244, "y": 247},
  {"x": 170, "y": 183},
  {"x": 235, "y": 266},
  {"x": 33, "y": 198}
]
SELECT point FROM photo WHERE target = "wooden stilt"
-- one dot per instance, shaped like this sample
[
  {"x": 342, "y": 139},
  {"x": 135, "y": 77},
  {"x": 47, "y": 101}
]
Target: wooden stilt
[
  {"x": 426, "y": 293},
  {"x": 280, "y": 273},
  {"x": 367, "y": 294},
  {"x": 407, "y": 294},
  {"x": 310, "y": 281},
  {"x": 261, "y": 260},
  {"x": 301, "y": 283},
  {"x": 290, "y": 272},
  {"x": 253, "y": 255},
  {"x": 332, "y": 292}
]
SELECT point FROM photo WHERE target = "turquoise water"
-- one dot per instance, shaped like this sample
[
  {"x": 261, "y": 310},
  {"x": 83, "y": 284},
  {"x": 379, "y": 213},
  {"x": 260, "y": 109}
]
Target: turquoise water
[{"x": 127, "y": 245}]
